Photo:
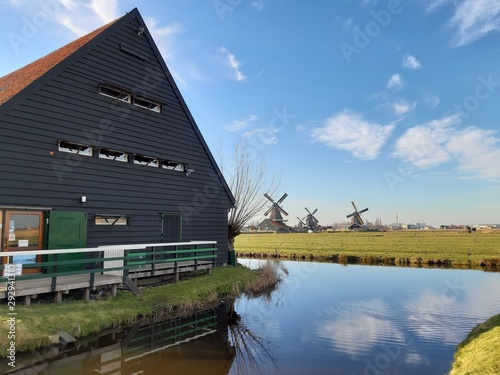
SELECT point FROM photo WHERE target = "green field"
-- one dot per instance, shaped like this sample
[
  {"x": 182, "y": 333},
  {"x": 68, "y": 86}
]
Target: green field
[{"x": 410, "y": 248}]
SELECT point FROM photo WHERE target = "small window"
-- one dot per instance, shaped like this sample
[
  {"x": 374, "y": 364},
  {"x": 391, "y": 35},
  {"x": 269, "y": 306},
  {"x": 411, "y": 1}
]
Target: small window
[
  {"x": 75, "y": 148},
  {"x": 145, "y": 160},
  {"x": 173, "y": 165},
  {"x": 105, "y": 153},
  {"x": 147, "y": 103},
  {"x": 111, "y": 220},
  {"x": 115, "y": 92}
]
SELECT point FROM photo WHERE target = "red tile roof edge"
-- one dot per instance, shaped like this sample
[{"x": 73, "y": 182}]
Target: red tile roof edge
[
  {"x": 15, "y": 82},
  {"x": 278, "y": 224}
]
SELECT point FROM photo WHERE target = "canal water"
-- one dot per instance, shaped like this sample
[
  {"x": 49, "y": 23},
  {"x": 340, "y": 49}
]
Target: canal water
[{"x": 322, "y": 319}]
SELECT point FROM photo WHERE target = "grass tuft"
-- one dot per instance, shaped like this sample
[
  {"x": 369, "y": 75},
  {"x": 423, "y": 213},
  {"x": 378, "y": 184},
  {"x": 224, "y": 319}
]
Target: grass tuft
[{"x": 478, "y": 353}]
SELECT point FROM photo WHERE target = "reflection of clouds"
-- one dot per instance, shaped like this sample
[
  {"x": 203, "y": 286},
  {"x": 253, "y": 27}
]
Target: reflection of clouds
[
  {"x": 482, "y": 298},
  {"x": 439, "y": 314},
  {"x": 413, "y": 358},
  {"x": 431, "y": 317},
  {"x": 355, "y": 328}
]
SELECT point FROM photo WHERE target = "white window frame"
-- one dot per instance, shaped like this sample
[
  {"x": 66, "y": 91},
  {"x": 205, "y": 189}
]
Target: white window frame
[
  {"x": 105, "y": 153},
  {"x": 107, "y": 219},
  {"x": 75, "y": 148},
  {"x": 173, "y": 165},
  {"x": 151, "y": 162},
  {"x": 146, "y": 104},
  {"x": 119, "y": 94}
]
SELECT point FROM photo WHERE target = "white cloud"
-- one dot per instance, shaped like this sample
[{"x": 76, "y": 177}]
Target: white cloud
[
  {"x": 411, "y": 62},
  {"x": 396, "y": 82},
  {"x": 240, "y": 124},
  {"x": 434, "y": 5},
  {"x": 68, "y": 22},
  {"x": 402, "y": 107},
  {"x": 350, "y": 132},
  {"x": 106, "y": 10},
  {"x": 266, "y": 136},
  {"x": 475, "y": 151},
  {"x": 259, "y": 5},
  {"x": 234, "y": 64},
  {"x": 474, "y": 19},
  {"x": 424, "y": 146},
  {"x": 164, "y": 36},
  {"x": 84, "y": 16},
  {"x": 432, "y": 100}
]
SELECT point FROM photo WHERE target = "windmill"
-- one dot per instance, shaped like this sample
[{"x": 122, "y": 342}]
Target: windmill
[
  {"x": 276, "y": 210},
  {"x": 301, "y": 222},
  {"x": 356, "y": 221},
  {"x": 311, "y": 221}
]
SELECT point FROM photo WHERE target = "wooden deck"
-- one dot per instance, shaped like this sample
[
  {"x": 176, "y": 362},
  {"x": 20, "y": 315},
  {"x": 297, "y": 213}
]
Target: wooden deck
[
  {"x": 115, "y": 265},
  {"x": 29, "y": 289},
  {"x": 32, "y": 288}
]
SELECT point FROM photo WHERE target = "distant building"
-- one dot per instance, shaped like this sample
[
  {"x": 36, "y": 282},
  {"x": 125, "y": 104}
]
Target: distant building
[
  {"x": 269, "y": 225},
  {"x": 250, "y": 228},
  {"x": 357, "y": 226}
]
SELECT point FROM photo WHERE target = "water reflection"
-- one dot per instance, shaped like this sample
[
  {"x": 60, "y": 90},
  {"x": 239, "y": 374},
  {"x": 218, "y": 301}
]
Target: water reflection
[
  {"x": 322, "y": 319},
  {"x": 356, "y": 327},
  {"x": 373, "y": 320},
  {"x": 254, "y": 354},
  {"x": 189, "y": 345}
]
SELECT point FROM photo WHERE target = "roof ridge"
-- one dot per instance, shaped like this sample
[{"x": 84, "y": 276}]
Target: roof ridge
[{"x": 16, "y": 81}]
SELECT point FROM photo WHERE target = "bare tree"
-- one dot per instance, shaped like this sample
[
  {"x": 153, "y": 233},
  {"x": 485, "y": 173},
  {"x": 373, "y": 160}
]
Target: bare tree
[{"x": 248, "y": 179}]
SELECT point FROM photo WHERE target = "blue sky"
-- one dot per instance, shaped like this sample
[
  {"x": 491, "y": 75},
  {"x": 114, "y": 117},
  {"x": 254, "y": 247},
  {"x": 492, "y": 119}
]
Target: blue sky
[{"x": 392, "y": 104}]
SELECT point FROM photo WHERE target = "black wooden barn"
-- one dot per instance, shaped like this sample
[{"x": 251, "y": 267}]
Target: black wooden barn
[{"x": 98, "y": 148}]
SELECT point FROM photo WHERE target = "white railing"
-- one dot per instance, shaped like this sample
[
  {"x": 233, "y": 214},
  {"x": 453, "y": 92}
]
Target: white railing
[
  {"x": 105, "y": 248},
  {"x": 119, "y": 256}
]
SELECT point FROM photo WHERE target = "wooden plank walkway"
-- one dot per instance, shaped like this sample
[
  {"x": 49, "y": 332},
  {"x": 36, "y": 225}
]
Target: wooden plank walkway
[
  {"x": 114, "y": 265},
  {"x": 32, "y": 288},
  {"x": 64, "y": 284}
]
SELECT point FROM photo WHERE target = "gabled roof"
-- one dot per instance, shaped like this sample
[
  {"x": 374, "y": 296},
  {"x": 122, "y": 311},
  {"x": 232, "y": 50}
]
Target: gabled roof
[
  {"x": 276, "y": 224},
  {"x": 13, "y": 83}
]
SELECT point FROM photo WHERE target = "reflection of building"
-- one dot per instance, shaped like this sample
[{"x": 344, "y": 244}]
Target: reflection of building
[
  {"x": 99, "y": 148},
  {"x": 197, "y": 344}
]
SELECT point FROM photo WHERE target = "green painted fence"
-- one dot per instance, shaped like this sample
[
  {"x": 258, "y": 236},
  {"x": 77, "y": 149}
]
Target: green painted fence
[{"x": 150, "y": 259}]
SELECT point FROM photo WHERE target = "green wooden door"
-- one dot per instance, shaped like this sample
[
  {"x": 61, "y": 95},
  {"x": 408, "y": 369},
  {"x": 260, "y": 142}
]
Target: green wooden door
[{"x": 67, "y": 230}]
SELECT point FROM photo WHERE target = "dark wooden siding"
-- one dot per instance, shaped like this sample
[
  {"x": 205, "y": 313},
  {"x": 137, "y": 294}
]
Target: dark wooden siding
[{"x": 68, "y": 106}]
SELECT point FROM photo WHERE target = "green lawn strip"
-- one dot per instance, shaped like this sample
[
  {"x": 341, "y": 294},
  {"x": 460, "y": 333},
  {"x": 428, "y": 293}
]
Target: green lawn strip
[
  {"x": 35, "y": 323},
  {"x": 478, "y": 354},
  {"x": 457, "y": 247}
]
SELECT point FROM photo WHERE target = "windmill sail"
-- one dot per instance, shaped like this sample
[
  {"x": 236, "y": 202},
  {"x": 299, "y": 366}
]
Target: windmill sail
[
  {"x": 275, "y": 211},
  {"x": 356, "y": 220},
  {"x": 310, "y": 220}
]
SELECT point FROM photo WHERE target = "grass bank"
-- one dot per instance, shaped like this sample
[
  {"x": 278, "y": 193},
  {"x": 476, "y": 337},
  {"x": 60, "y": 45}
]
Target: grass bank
[
  {"x": 478, "y": 354},
  {"x": 451, "y": 248},
  {"x": 35, "y": 323}
]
